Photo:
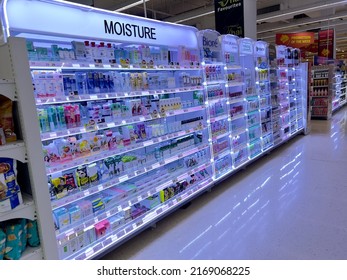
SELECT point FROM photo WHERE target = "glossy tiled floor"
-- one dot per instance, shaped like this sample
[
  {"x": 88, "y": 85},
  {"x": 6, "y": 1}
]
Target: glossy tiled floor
[{"x": 290, "y": 204}]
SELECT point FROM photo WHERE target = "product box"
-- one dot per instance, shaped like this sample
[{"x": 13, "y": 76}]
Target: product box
[
  {"x": 151, "y": 202},
  {"x": 10, "y": 195},
  {"x": 11, "y": 202}
]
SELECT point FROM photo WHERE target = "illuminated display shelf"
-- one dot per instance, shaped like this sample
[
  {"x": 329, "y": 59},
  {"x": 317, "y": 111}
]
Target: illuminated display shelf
[{"x": 90, "y": 237}]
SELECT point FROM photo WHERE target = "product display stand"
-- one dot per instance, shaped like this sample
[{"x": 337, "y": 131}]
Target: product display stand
[
  {"x": 124, "y": 124},
  {"x": 264, "y": 93},
  {"x": 236, "y": 99},
  {"x": 217, "y": 102},
  {"x": 321, "y": 91}
]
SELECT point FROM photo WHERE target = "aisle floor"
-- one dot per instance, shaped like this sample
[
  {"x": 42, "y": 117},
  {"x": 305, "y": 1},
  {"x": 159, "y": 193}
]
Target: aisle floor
[{"x": 290, "y": 204}]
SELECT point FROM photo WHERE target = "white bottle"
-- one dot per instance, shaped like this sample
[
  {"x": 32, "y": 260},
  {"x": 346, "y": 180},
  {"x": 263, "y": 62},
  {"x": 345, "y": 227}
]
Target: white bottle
[{"x": 88, "y": 52}]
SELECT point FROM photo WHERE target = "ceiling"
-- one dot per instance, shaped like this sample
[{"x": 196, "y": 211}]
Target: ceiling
[{"x": 274, "y": 16}]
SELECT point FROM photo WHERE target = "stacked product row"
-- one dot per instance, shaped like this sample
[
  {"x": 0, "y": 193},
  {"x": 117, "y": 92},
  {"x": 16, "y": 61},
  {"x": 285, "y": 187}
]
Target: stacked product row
[{"x": 132, "y": 127}]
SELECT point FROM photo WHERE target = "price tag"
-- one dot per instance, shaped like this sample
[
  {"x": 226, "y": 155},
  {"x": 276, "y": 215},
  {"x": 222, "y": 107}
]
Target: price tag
[
  {"x": 155, "y": 140},
  {"x": 159, "y": 211},
  {"x": 120, "y": 234},
  {"x": 134, "y": 201},
  {"x": 81, "y": 257},
  {"x": 139, "y": 223},
  {"x": 107, "y": 241},
  {"x": 102, "y": 125},
  {"x": 162, "y": 162},
  {"x": 138, "y": 172},
  {"x": 131, "y": 175},
  {"x": 148, "y": 117},
  {"x": 74, "y": 130},
  {"x": 97, "y": 247},
  {"x": 180, "y": 155},
  {"x": 73, "y": 97},
  {"x": 129, "y": 229},
  {"x": 171, "y": 113},
  {"x": 149, "y": 168},
  {"x": 125, "y": 205},
  {"x": 175, "y": 134},
  {"x": 60, "y": 133},
  {"x": 115, "y": 180},
  {"x": 190, "y": 192},
  {"x": 164, "y": 138},
  {"x": 170, "y": 204},
  {"x": 89, "y": 223}
]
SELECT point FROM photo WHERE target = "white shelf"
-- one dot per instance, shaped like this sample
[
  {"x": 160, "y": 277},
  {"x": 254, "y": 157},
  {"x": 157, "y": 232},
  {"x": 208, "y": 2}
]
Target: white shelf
[
  {"x": 219, "y": 118},
  {"x": 15, "y": 150},
  {"x": 25, "y": 210},
  {"x": 105, "y": 154},
  {"x": 238, "y": 131},
  {"x": 8, "y": 89},
  {"x": 146, "y": 219},
  {"x": 32, "y": 253},
  {"x": 222, "y": 154},
  {"x": 76, "y": 65},
  {"x": 220, "y": 136},
  {"x": 238, "y": 116},
  {"x": 233, "y": 67},
  {"x": 131, "y": 120},
  {"x": 234, "y": 84},
  {"x": 105, "y": 96},
  {"x": 236, "y": 100}
]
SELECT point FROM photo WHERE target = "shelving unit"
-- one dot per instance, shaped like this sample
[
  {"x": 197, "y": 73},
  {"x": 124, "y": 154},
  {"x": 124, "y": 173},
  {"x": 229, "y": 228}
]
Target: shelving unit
[
  {"x": 321, "y": 91},
  {"x": 17, "y": 150},
  {"x": 126, "y": 137},
  {"x": 343, "y": 99},
  {"x": 215, "y": 74},
  {"x": 264, "y": 94}
]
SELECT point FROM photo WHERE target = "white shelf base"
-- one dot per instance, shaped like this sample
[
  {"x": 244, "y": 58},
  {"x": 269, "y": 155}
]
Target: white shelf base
[
  {"x": 32, "y": 253},
  {"x": 25, "y": 210},
  {"x": 15, "y": 150}
]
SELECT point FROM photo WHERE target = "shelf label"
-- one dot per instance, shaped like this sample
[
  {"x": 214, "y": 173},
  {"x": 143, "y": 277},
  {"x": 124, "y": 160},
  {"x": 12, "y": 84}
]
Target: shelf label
[
  {"x": 89, "y": 223},
  {"x": 139, "y": 223},
  {"x": 129, "y": 229},
  {"x": 159, "y": 211},
  {"x": 125, "y": 205},
  {"x": 107, "y": 241},
  {"x": 149, "y": 168},
  {"x": 138, "y": 172},
  {"x": 131, "y": 175},
  {"x": 162, "y": 162},
  {"x": 120, "y": 234},
  {"x": 134, "y": 201},
  {"x": 170, "y": 204},
  {"x": 97, "y": 247},
  {"x": 81, "y": 257}
]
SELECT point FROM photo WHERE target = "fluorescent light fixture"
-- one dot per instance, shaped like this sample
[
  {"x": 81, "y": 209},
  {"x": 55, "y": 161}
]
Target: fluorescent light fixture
[
  {"x": 299, "y": 11},
  {"x": 196, "y": 16},
  {"x": 130, "y": 5}
]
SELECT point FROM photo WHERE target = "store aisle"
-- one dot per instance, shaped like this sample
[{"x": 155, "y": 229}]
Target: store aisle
[{"x": 291, "y": 204}]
